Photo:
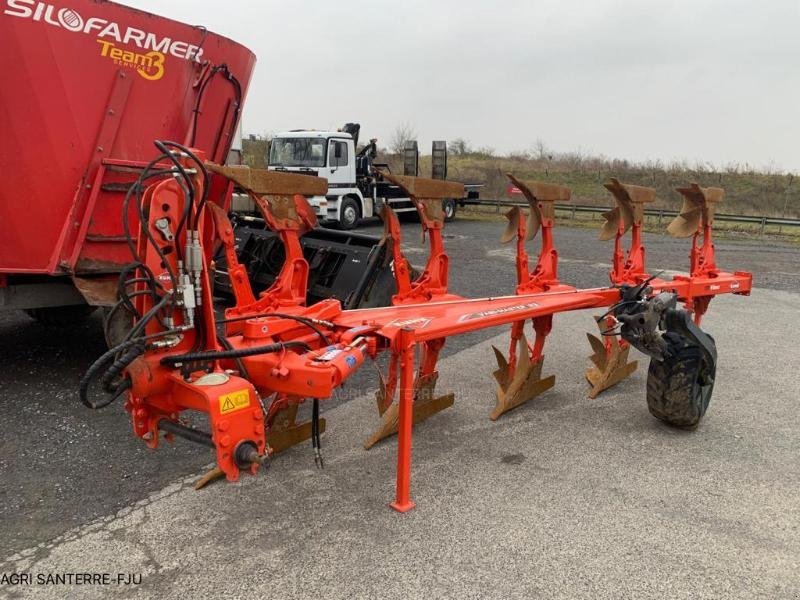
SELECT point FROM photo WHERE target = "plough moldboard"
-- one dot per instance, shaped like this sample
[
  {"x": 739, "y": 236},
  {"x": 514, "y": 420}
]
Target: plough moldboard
[{"x": 249, "y": 371}]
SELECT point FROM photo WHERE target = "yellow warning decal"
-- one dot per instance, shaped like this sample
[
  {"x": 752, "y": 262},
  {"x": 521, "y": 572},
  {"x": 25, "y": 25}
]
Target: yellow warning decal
[{"x": 234, "y": 401}]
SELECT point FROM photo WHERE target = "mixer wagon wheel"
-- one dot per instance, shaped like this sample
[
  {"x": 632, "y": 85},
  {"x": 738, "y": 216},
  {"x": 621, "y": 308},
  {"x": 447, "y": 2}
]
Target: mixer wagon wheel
[
  {"x": 679, "y": 387},
  {"x": 60, "y": 316}
]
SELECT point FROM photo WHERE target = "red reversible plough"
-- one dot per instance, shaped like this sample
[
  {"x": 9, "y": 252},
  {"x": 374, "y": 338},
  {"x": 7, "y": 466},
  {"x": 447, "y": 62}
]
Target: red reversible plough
[{"x": 248, "y": 370}]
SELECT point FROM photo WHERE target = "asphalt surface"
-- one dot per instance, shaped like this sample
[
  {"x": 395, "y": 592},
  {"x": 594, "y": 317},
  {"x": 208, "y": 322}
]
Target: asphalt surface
[{"x": 565, "y": 497}]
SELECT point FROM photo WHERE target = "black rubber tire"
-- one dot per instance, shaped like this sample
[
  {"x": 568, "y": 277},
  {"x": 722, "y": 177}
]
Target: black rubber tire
[
  {"x": 117, "y": 323},
  {"x": 679, "y": 388},
  {"x": 61, "y": 316},
  {"x": 349, "y": 207},
  {"x": 449, "y": 208}
]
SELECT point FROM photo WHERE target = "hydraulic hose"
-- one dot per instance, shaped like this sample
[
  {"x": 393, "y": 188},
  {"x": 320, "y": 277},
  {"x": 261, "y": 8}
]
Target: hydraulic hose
[
  {"x": 304, "y": 320},
  {"x": 110, "y": 356},
  {"x": 178, "y": 359}
]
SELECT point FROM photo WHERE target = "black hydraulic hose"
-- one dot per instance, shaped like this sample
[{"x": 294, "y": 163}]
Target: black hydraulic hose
[
  {"x": 123, "y": 360},
  {"x": 97, "y": 366},
  {"x": 137, "y": 188},
  {"x": 239, "y": 364},
  {"x": 314, "y": 423},
  {"x": 178, "y": 359},
  {"x": 237, "y": 92},
  {"x": 125, "y": 352},
  {"x": 146, "y": 318},
  {"x": 303, "y": 320},
  {"x": 316, "y": 441},
  {"x": 200, "y": 167},
  {"x": 123, "y": 282},
  {"x": 189, "y": 189}
]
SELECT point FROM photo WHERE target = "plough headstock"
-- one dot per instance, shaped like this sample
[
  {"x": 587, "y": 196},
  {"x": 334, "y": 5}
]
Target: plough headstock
[{"x": 249, "y": 380}]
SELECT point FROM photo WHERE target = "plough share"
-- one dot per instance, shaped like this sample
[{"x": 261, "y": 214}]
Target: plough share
[{"x": 249, "y": 370}]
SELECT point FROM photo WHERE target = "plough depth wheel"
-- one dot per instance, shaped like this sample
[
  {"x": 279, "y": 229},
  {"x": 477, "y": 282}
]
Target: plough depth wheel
[{"x": 679, "y": 387}]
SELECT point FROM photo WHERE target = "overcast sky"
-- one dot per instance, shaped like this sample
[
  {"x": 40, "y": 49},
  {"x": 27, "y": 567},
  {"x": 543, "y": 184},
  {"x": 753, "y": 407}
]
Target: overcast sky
[{"x": 704, "y": 80}]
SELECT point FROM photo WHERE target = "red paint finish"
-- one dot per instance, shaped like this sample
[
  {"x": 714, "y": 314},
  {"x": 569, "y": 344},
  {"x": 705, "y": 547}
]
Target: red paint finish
[{"x": 86, "y": 87}]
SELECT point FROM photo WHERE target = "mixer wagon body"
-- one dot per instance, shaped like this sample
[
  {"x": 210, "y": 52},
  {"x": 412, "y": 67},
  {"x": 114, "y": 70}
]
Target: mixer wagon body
[{"x": 87, "y": 85}]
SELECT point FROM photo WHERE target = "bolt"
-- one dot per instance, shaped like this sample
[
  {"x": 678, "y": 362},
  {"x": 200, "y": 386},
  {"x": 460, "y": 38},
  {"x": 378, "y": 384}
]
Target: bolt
[{"x": 222, "y": 425}]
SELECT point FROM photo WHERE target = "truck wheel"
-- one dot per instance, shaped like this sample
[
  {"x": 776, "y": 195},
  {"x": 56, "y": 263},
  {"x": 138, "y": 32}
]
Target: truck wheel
[
  {"x": 60, "y": 316},
  {"x": 679, "y": 387},
  {"x": 350, "y": 213},
  {"x": 449, "y": 209}
]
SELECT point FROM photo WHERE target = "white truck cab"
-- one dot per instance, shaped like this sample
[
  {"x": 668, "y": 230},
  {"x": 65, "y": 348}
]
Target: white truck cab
[
  {"x": 328, "y": 154},
  {"x": 355, "y": 189}
]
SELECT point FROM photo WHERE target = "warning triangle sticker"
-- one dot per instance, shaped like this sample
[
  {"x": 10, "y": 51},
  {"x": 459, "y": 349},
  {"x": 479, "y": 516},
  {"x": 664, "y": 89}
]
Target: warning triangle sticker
[{"x": 227, "y": 405}]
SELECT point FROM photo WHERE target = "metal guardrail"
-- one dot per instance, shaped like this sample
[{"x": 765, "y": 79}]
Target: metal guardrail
[{"x": 659, "y": 213}]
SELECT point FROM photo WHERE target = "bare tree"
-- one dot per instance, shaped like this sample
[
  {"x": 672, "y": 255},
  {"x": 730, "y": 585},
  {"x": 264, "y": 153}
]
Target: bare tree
[
  {"x": 459, "y": 147},
  {"x": 403, "y": 133},
  {"x": 541, "y": 151}
]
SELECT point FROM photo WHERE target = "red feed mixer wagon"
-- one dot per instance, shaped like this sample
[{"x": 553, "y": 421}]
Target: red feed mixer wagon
[{"x": 87, "y": 87}]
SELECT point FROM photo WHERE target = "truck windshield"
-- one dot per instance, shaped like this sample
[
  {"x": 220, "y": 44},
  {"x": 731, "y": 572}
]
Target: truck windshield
[{"x": 297, "y": 152}]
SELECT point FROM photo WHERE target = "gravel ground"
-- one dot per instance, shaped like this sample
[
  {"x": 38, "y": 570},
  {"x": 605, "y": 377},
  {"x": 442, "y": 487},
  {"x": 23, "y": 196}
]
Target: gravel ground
[{"x": 63, "y": 467}]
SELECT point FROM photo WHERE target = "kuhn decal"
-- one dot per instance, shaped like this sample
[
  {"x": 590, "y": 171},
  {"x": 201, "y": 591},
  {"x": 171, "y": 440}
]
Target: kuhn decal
[
  {"x": 496, "y": 311},
  {"x": 128, "y": 47},
  {"x": 417, "y": 323}
]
